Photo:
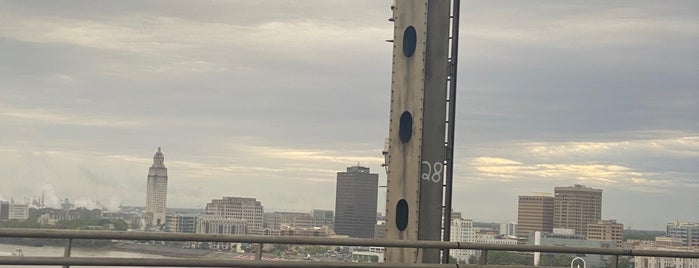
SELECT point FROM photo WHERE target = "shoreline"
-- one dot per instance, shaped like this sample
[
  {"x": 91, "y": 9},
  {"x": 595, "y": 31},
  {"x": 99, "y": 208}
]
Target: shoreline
[
  {"x": 159, "y": 250},
  {"x": 121, "y": 246}
]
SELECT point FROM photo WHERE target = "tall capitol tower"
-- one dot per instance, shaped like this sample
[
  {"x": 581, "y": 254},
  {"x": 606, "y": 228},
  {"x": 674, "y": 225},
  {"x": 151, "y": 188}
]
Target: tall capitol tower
[{"x": 156, "y": 190}]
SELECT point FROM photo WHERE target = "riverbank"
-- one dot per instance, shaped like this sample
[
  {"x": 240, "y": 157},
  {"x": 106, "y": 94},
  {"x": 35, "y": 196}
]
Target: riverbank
[
  {"x": 160, "y": 250},
  {"x": 123, "y": 246}
]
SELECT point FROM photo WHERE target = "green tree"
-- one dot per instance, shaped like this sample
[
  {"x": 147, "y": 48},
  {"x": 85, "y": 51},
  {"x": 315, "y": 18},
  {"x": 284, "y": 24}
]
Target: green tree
[
  {"x": 509, "y": 258},
  {"x": 19, "y": 224},
  {"x": 556, "y": 260},
  {"x": 624, "y": 262},
  {"x": 314, "y": 250},
  {"x": 472, "y": 259}
]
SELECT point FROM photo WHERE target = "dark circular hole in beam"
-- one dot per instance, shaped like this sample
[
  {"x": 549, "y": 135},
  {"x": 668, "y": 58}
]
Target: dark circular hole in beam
[
  {"x": 402, "y": 214},
  {"x": 409, "y": 41},
  {"x": 405, "y": 129}
]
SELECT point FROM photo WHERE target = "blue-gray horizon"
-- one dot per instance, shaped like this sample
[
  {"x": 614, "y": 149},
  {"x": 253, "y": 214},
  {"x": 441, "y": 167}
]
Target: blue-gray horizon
[{"x": 271, "y": 100}]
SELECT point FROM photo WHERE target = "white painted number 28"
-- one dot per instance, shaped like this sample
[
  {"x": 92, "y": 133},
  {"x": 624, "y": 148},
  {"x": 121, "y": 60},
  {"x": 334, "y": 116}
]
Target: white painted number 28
[{"x": 434, "y": 171}]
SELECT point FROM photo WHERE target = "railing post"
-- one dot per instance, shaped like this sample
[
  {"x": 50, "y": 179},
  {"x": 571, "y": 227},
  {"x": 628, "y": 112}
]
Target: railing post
[
  {"x": 615, "y": 261},
  {"x": 66, "y": 250},
  {"x": 483, "y": 260},
  {"x": 258, "y": 251}
]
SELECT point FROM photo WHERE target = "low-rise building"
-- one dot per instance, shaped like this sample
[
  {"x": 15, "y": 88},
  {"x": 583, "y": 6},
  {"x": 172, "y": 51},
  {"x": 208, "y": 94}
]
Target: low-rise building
[
  {"x": 370, "y": 254},
  {"x": 323, "y": 217},
  {"x": 462, "y": 230},
  {"x": 18, "y": 211},
  {"x": 181, "y": 223},
  {"x": 569, "y": 239},
  {"x": 606, "y": 230},
  {"x": 654, "y": 262},
  {"x": 687, "y": 231},
  {"x": 215, "y": 224},
  {"x": 312, "y": 232},
  {"x": 53, "y": 217},
  {"x": 281, "y": 220}
]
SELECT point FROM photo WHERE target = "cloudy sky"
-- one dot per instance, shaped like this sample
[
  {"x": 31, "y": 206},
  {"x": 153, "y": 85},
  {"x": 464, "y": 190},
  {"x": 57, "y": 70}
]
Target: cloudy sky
[{"x": 270, "y": 99}]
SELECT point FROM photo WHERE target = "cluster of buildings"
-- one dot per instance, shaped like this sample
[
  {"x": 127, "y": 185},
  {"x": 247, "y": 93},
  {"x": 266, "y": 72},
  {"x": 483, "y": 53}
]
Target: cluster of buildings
[
  {"x": 464, "y": 230},
  {"x": 679, "y": 236},
  {"x": 246, "y": 216},
  {"x": 571, "y": 216},
  {"x": 354, "y": 215},
  {"x": 577, "y": 208}
]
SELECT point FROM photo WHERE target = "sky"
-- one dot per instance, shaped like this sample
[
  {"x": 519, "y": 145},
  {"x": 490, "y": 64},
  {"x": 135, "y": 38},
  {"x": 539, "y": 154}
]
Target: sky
[{"x": 270, "y": 99}]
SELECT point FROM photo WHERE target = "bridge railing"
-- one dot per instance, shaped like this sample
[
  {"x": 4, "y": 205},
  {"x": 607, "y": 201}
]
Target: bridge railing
[{"x": 259, "y": 241}]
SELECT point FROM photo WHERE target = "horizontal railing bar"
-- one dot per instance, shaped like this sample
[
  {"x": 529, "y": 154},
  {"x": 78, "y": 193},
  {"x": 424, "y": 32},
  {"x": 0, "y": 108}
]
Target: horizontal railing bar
[
  {"x": 583, "y": 250},
  {"x": 252, "y": 239},
  {"x": 180, "y": 262}
]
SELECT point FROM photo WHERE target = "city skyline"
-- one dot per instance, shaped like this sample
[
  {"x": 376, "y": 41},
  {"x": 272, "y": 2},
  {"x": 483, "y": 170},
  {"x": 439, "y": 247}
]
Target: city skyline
[{"x": 263, "y": 100}]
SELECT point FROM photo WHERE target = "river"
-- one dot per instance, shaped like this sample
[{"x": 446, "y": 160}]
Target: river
[{"x": 49, "y": 251}]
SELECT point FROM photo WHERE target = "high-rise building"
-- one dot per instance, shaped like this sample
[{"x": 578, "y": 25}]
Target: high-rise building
[
  {"x": 323, "y": 217},
  {"x": 688, "y": 232},
  {"x": 246, "y": 209},
  {"x": 574, "y": 207},
  {"x": 355, "y": 202},
  {"x": 534, "y": 213},
  {"x": 156, "y": 190},
  {"x": 606, "y": 230}
]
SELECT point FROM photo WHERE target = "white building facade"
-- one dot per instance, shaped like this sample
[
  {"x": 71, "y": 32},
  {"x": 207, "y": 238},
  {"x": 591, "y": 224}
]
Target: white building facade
[
  {"x": 246, "y": 209},
  {"x": 462, "y": 230},
  {"x": 156, "y": 190},
  {"x": 18, "y": 211}
]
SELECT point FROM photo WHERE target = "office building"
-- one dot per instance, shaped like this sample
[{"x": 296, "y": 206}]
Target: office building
[
  {"x": 246, "y": 209},
  {"x": 574, "y": 207},
  {"x": 534, "y": 213},
  {"x": 182, "y": 223},
  {"x": 688, "y": 232},
  {"x": 221, "y": 225},
  {"x": 216, "y": 224},
  {"x": 606, "y": 230},
  {"x": 156, "y": 190},
  {"x": 508, "y": 229},
  {"x": 462, "y": 230},
  {"x": 13, "y": 211},
  {"x": 355, "y": 202},
  {"x": 4, "y": 210},
  {"x": 323, "y": 217},
  {"x": 18, "y": 211},
  {"x": 290, "y": 220}
]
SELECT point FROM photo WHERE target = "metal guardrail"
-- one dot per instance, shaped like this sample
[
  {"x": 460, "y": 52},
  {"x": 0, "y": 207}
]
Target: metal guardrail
[{"x": 258, "y": 241}]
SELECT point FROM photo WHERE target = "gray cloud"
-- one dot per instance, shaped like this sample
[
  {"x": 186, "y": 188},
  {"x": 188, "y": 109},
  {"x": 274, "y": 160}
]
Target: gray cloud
[{"x": 271, "y": 98}]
